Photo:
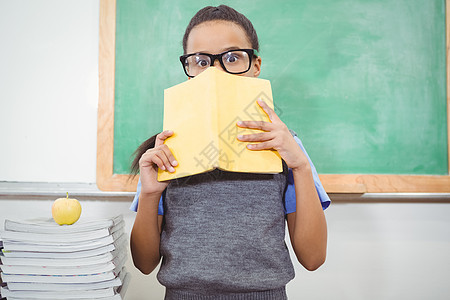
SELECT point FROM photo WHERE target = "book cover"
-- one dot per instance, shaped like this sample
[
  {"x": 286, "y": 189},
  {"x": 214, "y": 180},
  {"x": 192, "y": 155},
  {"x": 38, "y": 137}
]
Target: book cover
[
  {"x": 72, "y": 237},
  {"x": 52, "y": 261},
  {"x": 115, "y": 297},
  {"x": 29, "y": 253},
  {"x": 42, "y": 286},
  {"x": 118, "y": 261},
  {"x": 44, "y": 246},
  {"x": 97, "y": 277},
  {"x": 107, "y": 292},
  {"x": 48, "y": 225},
  {"x": 203, "y": 113}
]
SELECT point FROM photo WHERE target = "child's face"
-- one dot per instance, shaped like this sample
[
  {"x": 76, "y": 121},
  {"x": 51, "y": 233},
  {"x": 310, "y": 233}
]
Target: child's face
[{"x": 215, "y": 37}]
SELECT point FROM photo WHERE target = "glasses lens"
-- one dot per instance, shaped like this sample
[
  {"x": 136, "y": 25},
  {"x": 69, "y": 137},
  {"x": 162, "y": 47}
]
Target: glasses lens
[
  {"x": 233, "y": 61},
  {"x": 195, "y": 64},
  {"x": 236, "y": 61}
]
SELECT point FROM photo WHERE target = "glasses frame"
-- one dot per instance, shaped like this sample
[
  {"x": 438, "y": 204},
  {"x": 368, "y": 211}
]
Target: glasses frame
[{"x": 213, "y": 57}]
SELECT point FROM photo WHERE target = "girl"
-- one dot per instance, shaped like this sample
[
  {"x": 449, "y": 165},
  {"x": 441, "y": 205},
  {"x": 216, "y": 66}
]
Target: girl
[{"x": 221, "y": 234}]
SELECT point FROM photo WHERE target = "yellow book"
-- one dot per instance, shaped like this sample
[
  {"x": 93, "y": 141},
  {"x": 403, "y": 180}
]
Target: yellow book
[{"x": 203, "y": 112}]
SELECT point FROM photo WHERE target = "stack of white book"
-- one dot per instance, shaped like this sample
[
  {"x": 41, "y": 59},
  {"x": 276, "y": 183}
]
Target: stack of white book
[{"x": 43, "y": 260}]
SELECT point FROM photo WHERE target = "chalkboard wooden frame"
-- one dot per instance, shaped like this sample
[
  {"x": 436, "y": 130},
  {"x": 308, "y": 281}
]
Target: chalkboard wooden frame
[{"x": 336, "y": 183}]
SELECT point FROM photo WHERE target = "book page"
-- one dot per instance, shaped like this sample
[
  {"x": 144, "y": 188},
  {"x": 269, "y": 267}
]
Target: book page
[
  {"x": 237, "y": 96},
  {"x": 190, "y": 110}
]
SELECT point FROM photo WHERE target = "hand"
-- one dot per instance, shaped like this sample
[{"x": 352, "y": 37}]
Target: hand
[
  {"x": 158, "y": 157},
  {"x": 275, "y": 136}
]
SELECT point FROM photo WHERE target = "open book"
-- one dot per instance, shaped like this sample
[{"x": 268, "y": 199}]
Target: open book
[{"x": 203, "y": 113}]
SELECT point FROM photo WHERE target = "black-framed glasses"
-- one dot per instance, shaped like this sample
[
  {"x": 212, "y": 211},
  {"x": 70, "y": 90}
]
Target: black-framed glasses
[{"x": 236, "y": 61}]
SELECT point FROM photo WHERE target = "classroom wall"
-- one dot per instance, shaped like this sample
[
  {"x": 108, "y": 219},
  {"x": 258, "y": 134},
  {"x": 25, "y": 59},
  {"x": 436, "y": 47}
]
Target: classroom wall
[
  {"x": 48, "y": 90},
  {"x": 48, "y": 106}
]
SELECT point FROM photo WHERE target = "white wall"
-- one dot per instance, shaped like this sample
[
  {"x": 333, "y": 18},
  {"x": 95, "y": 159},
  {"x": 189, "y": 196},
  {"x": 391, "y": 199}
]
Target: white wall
[
  {"x": 48, "y": 90},
  {"x": 48, "y": 106}
]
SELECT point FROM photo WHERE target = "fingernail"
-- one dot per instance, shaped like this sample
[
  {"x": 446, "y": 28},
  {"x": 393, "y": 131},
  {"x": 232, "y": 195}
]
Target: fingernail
[
  {"x": 171, "y": 169},
  {"x": 163, "y": 168},
  {"x": 240, "y": 137},
  {"x": 239, "y": 123},
  {"x": 250, "y": 146},
  {"x": 174, "y": 163}
]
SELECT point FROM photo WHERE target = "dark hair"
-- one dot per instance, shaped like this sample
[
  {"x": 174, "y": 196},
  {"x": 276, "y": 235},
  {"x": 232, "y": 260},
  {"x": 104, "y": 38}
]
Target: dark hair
[
  {"x": 224, "y": 13},
  {"x": 148, "y": 144},
  {"x": 209, "y": 13}
]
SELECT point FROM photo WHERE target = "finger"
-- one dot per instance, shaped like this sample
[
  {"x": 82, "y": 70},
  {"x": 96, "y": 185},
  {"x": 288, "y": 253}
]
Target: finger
[
  {"x": 160, "y": 138},
  {"x": 158, "y": 162},
  {"x": 260, "y": 146},
  {"x": 257, "y": 137},
  {"x": 161, "y": 155},
  {"x": 169, "y": 155},
  {"x": 150, "y": 159},
  {"x": 261, "y": 125},
  {"x": 268, "y": 110}
]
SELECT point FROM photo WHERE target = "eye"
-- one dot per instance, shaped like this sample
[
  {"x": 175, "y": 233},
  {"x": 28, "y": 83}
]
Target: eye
[
  {"x": 231, "y": 57},
  {"x": 201, "y": 61}
]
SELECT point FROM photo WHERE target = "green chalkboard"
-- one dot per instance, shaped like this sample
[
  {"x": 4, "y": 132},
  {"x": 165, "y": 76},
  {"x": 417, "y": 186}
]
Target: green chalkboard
[{"x": 363, "y": 82}]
